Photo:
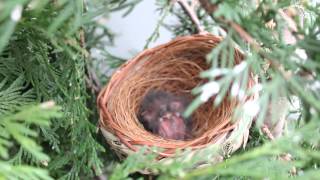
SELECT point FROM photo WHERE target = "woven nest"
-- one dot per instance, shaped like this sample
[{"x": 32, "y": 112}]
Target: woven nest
[{"x": 172, "y": 67}]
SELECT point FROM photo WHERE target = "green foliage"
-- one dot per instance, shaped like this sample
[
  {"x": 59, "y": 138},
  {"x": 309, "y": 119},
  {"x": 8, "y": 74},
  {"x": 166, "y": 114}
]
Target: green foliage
[
  {"x": 163, "y": 14},
  {"x": 46, "y": 53},
  {"x": 260, "y": 162},
  {"x": 16, "y": 129},
  {"x": 44, "y": 56},
  {"x": 266, "y": 159},
  {"x": 283, "y": 79},
  {"x": 12, "y": 95}
]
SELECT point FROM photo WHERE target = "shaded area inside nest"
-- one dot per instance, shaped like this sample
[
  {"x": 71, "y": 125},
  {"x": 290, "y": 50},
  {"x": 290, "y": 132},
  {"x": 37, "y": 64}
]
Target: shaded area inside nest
[
  {"x": 176, "y": 71},
  {"x": 179, "y": 76}
]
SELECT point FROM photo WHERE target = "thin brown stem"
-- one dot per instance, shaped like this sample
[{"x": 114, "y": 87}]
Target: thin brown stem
[
  {"x": 244, "y": 35},
  {"x": 91, "y": 78},
  {"x": 189, "y": 10},
  {"x": 267, "y": 132}
]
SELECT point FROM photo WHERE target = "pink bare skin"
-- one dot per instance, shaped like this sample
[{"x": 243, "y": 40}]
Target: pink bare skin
[
  {"x": 161, "y": 113},
  {"x": 172, "y": 126}
]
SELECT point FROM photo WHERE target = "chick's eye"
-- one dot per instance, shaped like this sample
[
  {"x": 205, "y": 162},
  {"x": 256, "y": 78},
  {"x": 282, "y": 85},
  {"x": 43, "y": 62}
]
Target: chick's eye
[
  {"x": 176, "y": 106},
  {"x": 148, "y": 115},
  {"x": 163, "y": 110}
]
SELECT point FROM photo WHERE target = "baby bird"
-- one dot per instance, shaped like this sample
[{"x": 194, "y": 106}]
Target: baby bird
[{"x": 161, "y": 113}]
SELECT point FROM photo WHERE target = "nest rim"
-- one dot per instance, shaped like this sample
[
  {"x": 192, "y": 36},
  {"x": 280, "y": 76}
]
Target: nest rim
[{"x": 125, "y": 145}]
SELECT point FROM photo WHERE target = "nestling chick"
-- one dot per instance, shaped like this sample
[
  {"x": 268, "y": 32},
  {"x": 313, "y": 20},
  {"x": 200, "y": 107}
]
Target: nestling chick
[
  {"x": 161, "y": 114},
  {"x": 173, "y": 126}
]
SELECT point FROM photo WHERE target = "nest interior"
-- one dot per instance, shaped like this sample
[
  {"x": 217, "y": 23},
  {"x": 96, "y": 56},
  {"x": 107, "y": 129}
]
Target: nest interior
[{"x": 173, "y": 67}]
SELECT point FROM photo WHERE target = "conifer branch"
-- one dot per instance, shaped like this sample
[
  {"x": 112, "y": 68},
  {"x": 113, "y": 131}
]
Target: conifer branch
[
  {"x": 46, "y": 56},
  {"x": 211, "y": 8}
]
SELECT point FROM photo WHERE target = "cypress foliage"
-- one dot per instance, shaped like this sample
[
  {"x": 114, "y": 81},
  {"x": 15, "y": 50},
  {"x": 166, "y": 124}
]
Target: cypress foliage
[{"x": 45, "y": 56}]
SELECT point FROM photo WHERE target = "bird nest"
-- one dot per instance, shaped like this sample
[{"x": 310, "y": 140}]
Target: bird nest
[{"x": 173, "y": 67}]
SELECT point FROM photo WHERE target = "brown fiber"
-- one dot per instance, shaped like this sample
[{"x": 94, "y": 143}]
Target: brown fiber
[{"x": 174, "y": 67}]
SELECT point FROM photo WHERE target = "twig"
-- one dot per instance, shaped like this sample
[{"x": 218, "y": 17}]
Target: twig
[
  {"x": 91, "y": 78},
  {"x": 94, "y": 79},
  {"x": 90, "y": 83},
  {"x": 244, "y": 35},
  {"x": 99, "y": 176},
  {"x": 267, "y": 132},
  {"x": 284, "y": 157},
  {"x": 82, "y": 39},
  {"x": 291, "y": 24},
  {"x": 210, "y": 8},
  {"x": 189, "y": 10},
  {"x": 155, "y": 33}
]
